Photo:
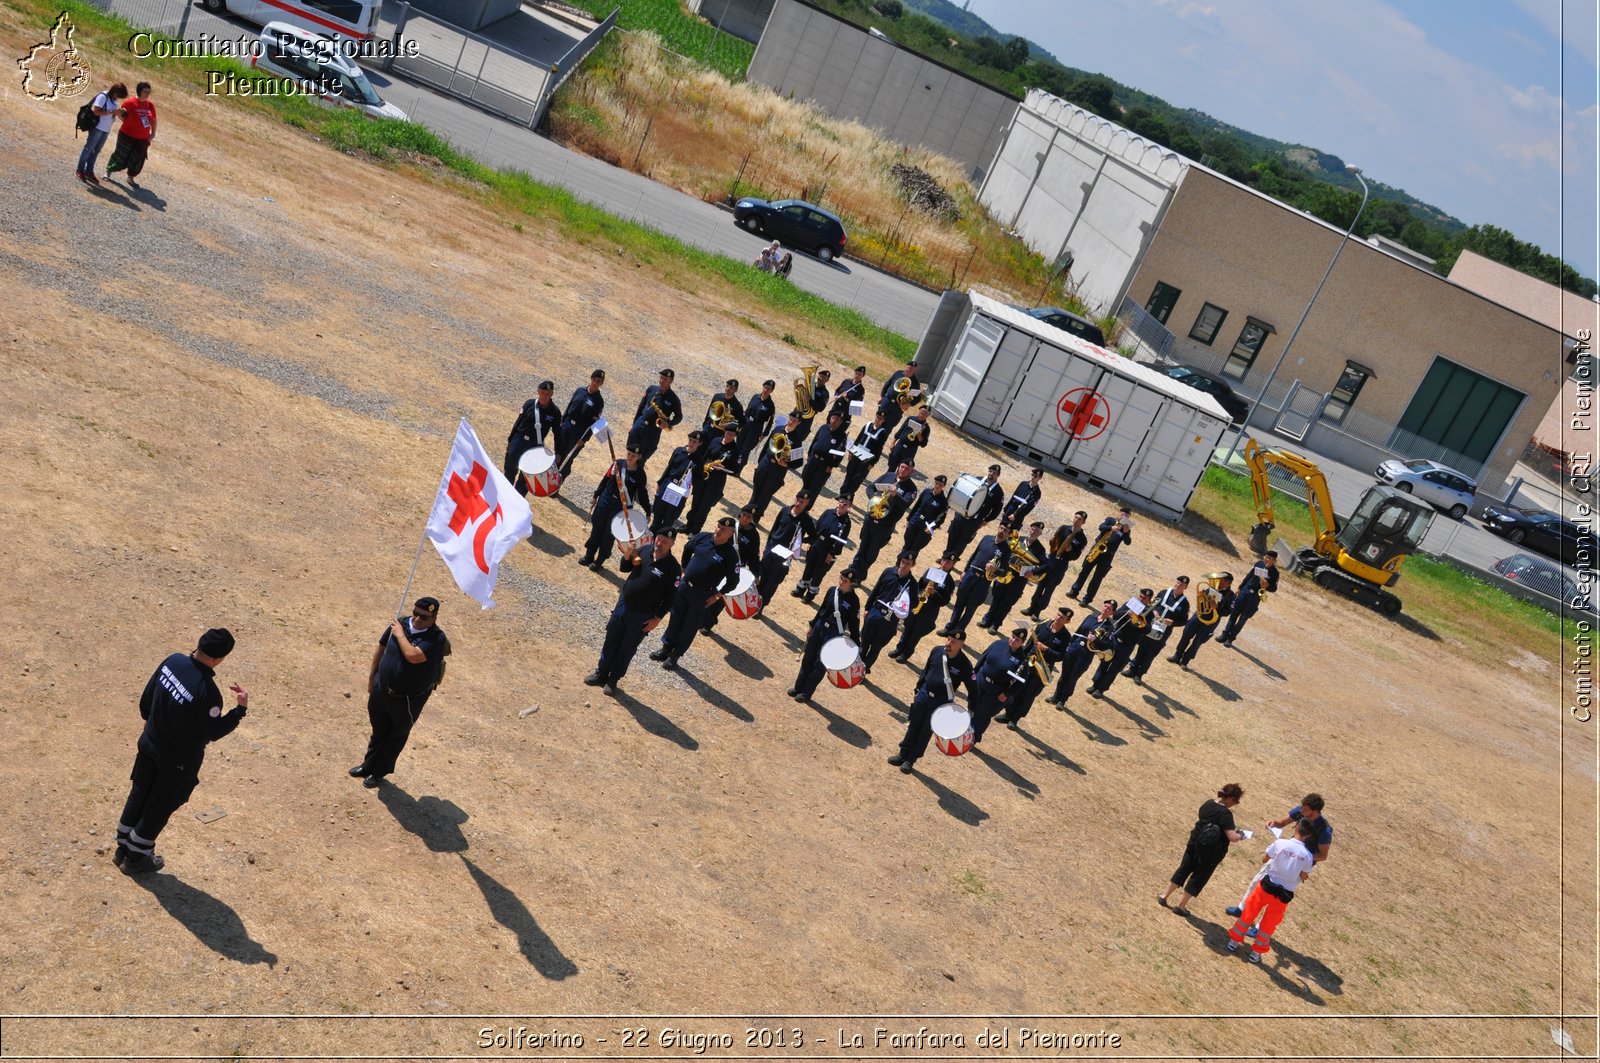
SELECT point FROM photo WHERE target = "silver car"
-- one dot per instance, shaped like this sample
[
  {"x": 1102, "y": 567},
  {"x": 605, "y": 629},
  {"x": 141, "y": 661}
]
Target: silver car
[{"x": 1442, "y": 487}]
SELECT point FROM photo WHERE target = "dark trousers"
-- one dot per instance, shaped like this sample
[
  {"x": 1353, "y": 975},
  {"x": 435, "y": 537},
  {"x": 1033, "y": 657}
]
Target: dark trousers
[
  {"x": 815, "y": 476},
  {"x": 392, "y": 717},
  {"x": 1000, "y": 602},
  {"x": 1046, "y": 587},
  {"x": 130, "y": 155},
  {"x": 1195, "y": 634},
  {"x": 875, "y": 535},
  {"x": 855, "y": 474},
  {"x": 917, "y": 626},
  {"x": 1243, "y": 609},
  {"x": 598, "y": 546},
  {"x": 1148, "y": 651},
  {"x": 764, "y": 487},
  {"x": 1094, "y": 574},
  {"x": 624, "y": 632},
  {"x": 811, "y": 670},
  {"x": 969, "y": 595},
  {"x": 1073, "y": 665},
  {"x": 688, "y": 617},
  {"x": 986, "y": 706},
  {"x": 818, "y": 563},
  {"x": 155, "y": 794},
  {"x": 917, "y": 537},
  {"x": 774, "y": 570},
  {"x": 704, "y": 500},
  {"x": 647, "y": 440},
  {"x": 1107, "y": 671},
  {"x": 876, "y": 632},
  {"x": 962, "y": 531},
  {"x": 919, "y": 726},
  {"x": 1023, "y": 697},
  {"x": 514, "y": 451},
  {"x": 663, "y": 515},
  {"x": 1194, "y": 871}
]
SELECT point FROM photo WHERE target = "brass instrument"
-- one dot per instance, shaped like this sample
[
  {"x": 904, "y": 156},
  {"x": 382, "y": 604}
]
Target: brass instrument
[
  {"x": 1040, "y": 665},
  {"x": 805, "y": 390},
  {"x": 779, "y": 447},
  {"x": 721, "y": 417},
  {"x": 1023, "y": 558},
  {"x": 1092, "y": 644},
  {"x": 1208, "y": 599},
  {"x": 1099, "y": 546},
  {"x": 662, "y": 421},
  {"x": 904, "y": 394},
  {"x": 712, "y": 466},
  {"x": 880, "y": 505},
  {"x": 922, "y": 599}
]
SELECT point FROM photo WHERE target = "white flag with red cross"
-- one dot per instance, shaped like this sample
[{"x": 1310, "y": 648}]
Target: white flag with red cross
[{"x": 477, "y": 517}]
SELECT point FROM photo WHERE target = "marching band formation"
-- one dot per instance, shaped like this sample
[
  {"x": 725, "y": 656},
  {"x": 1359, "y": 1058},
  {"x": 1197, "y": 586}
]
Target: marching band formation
[{"x": 726, "y": 570}]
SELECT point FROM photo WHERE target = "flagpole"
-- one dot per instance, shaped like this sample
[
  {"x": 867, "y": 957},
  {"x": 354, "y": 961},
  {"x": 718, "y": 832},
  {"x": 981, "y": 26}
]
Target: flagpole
[{"x": 421, "y": 542}]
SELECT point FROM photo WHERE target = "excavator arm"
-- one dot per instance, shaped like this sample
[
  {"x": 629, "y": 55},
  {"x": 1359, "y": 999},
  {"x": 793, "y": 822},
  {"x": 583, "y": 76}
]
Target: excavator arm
[{"x": 1324, "y": 522}]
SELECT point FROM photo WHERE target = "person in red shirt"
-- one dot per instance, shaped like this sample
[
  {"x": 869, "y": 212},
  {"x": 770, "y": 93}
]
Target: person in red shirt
[{"x": 138, "y": 129}]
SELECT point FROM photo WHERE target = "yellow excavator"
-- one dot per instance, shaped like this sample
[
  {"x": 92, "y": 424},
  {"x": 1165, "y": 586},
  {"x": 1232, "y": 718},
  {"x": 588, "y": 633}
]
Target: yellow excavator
[{"x": 1358, "y": 558}]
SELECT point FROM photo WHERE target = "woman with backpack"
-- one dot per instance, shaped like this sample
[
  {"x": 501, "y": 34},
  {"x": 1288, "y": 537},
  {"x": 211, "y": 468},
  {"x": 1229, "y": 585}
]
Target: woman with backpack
[
  {"x": 1208, "y": 844},
  {"x": 104, "y": 109}
]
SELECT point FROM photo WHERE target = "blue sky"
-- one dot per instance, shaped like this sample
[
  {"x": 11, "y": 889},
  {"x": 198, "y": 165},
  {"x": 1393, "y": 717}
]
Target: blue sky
[{"x": 1465, "y": 104}]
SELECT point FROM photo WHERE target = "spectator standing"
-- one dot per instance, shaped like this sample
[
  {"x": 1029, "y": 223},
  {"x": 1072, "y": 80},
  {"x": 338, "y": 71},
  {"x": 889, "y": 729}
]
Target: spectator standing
[
  {"x": 105, "y": 105},
  {"x": 1208, "y": 844},
  {"x": 138, "y": 129}
]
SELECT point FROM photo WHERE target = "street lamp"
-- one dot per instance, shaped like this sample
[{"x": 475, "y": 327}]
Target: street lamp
[{"x": 1298, "y": 324}]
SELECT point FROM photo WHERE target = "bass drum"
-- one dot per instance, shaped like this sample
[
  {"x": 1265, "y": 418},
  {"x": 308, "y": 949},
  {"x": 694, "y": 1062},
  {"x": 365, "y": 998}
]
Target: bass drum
[{"x": 966, "y": 497}]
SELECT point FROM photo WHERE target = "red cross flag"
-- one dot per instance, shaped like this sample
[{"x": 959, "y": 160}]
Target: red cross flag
[{"x": 477, "y": 517}]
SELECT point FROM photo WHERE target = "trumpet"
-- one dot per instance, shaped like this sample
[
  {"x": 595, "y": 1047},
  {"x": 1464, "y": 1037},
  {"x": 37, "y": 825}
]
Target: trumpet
[
  {"x": 662, "y": 421},
  {"x": 721, "y": 416},
  {"x": 805, "y": 390},
  {"x": 779, "y": 447}
]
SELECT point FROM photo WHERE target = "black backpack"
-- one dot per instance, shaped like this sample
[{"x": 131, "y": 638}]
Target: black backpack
[
  {"x": 1206, "y": 833},
  {"x": 86, "y": 118}
]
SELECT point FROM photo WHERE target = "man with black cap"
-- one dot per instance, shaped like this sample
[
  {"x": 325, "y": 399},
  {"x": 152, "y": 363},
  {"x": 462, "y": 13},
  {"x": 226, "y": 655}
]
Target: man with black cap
[
  {"x": 882, "y": 619},
  {"x": 851, "y": 391},
  {"x": 912, "y": 436},
  {"x": 757, "y": 421},
  {"x": 1169, "y": 610},
  {"x": 990, "y": 560},
  {"x": 182, "y": 711},
  {"x": 1208, "y": 613},
  {"x": 538, "y": 420},
  {"x": 926, "y": 515},
  {"x": 732, "y": 410},
  {"x": 722, "y": 460},
  {"x": 1114, "y": 533},
  {"x": 1003, "y": 596},
  {"x": 889, "y": 397},
  {"x": 839, "y": 614},
  {"x": 1262, "y": 578},
  {"x": 1045, "y": 651},
  {"x": 608, "y": 499},
  {"x": 407, "y": 664},
  {"x": 833, "y": 536},
  {"x": 878, "y": 531},
  {"x": 997, "y": 673},
  {"x": 747, "y": 541},
  {"x": 710, "y": 568},
  {"x": 963, "y": 528},
  {"x": 1023, "y": 499},
  {"x": 772, "y": 467},
  {"x": 947, "y": 668},
  {"x": 864, "y": 454},
  {"x": 792, "y": 529},
  {"x": 819, "y": 402},
  {"x": 1079, "y": 657},
  {"x": 583, "y": 410},
  {"x": 660, "y": 404},
  {"x": 681, "y": 475},
  {"x": 646, "y": 597},
  {"x": 1130, "y": 621},
  {"x": 1066, "y": 546},
  {"x": 827, "y": 450},
  {"x": 931, "y": 594}
]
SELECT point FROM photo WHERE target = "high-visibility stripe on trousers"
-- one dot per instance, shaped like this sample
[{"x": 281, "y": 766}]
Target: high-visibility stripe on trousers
[{"x": 1269, "y": 908}]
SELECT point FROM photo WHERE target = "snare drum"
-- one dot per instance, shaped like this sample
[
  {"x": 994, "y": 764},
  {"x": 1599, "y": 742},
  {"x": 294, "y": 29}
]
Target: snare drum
[
  {"x": 842, "y": 658},
  {"x": 967, "y": 496},
  {"x": 952, "y": 729},
  {"x": 744, "y": 601},
  {"x": 538, "y": 467},
  {"x": 641, "y": 528}
]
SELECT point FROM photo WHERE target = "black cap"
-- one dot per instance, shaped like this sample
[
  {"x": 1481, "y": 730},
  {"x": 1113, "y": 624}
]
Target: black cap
[
  {"x": 731, "y": 383},
  {"x": 726, "y": 522},
  {"x": 669, "y": 374},
  {"x": 941, "y": 479},
  {"x": 1146, "y": 592},
  {"x": 904, "y": 557},
  {"x": 1019, "y": 632},
  {"x": 849, "y": 574},
  {"x": 769, "y": 383},
  {"x": 824, "y": 372},
  {"x": 547, "y": 385},
  {"x": 1183, "y": 580},
  {"x": 427, "y": 605},
  {"x": 217, "y": 642},
  {"x": 802, "y": 494},
  {"x": 1065, "y": 611},
  {"x": 731, "y": 426},
  {"x": 950, "y": 557},
  {"x": 696, "y": 435},
  {"x": 861, "y": 369},
  {"x": 958, "y": 633}
]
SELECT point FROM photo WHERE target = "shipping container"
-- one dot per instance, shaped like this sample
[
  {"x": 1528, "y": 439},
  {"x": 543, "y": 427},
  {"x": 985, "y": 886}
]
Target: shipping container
[{"x": 1063, "y": 403}]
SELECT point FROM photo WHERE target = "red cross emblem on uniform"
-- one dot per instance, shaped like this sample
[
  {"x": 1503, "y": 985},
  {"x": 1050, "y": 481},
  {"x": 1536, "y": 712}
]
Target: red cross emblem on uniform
[
  {"x": 470, "y": 505},
  {"x": 1083, "y": 413}
]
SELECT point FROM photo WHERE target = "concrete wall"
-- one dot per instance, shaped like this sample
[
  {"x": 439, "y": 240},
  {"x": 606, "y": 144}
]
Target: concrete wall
[
  {"x": 744, "y": 19},
  {"x": 1068, "y": 180},
  {"x": 849, "y": 73},
  {"x": 1225, "y": 244}
]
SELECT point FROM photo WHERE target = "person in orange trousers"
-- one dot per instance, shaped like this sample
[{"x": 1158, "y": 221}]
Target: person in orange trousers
[{"x": 1288, "y": 863}]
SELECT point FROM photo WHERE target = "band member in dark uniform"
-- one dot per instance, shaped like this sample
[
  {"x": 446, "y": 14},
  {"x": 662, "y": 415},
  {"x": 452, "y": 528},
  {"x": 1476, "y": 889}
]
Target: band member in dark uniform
[
  {"x": 823, "y": 456},
  {"x": 991, "y": 559},
  {"x": 406, "y": 665},
  {"x": 539, "y": 419},
  {"x": 839, "y": 614},
  {"x": 883, "y": 513},
  {"x": 747, "y": 541},
  {"x": 1112, "y": 534},
  {"x": 833, "y": 537},
  {"x": 1130, "y": 625},
  {"x": 1066, "y": 546},
  {"x": 710, "y": 568},
  {"x": 819, "y": 403},
  {"x": 964, "y": 528},
  {"x": 778, "y": 458},
  {"x": 882, "y": 621},
  {"x": 672, "y": 494},
  {"x": 1023, "y": 499},
  {"x": 997, "y": 673},
  {"x": 583, "y": 410},
  {"x": 1080, "y": 654},
  {"x": 792, "y": 529},
  {"x": 711, "y": 483},
  {"x": 757, "y": 421},
  {"x": 913, "y": 435},
  {"x": 928, "y": 597},
  {"x": 645, "y": 599},
  {"x": 1006, "y": 594},
  {"x": 1212, "y": 602},
  {"x": 926, "y": 515},
  {"x": 852, "y": 390},
  {"x": 869, "y": 441},
  {"x": 947, "y": 668},
  {"x": 889, "y": 397},
  {"x": 182, "y": 711},
  {"x": 608, "y": 503},
  {"x": 660, "y": 403},
  {"x": 1169, "y": 610},
  {"x": 1044, "y": 651},
  {"x": 1262, "y": 578},
  {"x": 732, "y": 410}
]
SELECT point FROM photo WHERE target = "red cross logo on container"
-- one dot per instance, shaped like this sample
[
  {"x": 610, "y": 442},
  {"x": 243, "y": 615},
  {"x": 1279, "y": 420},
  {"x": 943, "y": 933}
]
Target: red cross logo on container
[{"x": 1083, "y": 413}]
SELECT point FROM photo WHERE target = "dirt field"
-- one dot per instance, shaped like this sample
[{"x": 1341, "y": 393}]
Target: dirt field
[{"x": 229, "y": 399}]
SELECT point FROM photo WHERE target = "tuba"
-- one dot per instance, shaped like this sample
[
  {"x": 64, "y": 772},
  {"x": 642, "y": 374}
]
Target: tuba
[
  {"x": 805, "y": 391},
  {"x": 903, "y": 393},
  {"x": 1023, "y": 558},
  {"x": 721, "y": 417},
  {"x": 779, "y": 447},
  {"x": 1208, "y": 599}
]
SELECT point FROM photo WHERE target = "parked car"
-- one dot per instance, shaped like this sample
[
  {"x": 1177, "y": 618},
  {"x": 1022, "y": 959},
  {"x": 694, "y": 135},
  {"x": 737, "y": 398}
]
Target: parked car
[
  {"x": 1067, "y": 321},
  {"x": 322, "y": 71},
  {"x": 1214, "y": 386},
  {"x": 1544, "y": 532},
  {"x": 794, "y": 222},
  {"x": 1440, "y": 486},
  {"x": 1543, "y": 576}
]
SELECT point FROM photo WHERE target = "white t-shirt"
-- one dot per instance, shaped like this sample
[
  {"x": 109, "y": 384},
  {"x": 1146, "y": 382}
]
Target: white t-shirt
[
  {"x": 1286, "y": 858},
  {"x": 103, "y": 121}
]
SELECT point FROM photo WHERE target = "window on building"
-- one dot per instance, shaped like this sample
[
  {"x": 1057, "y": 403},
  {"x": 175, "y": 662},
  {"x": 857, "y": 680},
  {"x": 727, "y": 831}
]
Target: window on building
[
  {"x": 1460, "y": 410},
  {"x": 1162, "y": 301},
  {"x": 1343, "y": 395},
  {"x": 1246, "y": 348},
  {"x": 1207, "y": 323}
]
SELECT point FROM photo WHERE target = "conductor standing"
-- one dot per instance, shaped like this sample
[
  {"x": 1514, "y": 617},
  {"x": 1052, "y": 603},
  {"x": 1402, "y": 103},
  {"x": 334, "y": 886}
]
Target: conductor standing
[{"x": 182, "y": 711}]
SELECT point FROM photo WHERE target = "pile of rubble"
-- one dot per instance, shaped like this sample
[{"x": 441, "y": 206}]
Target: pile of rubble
[{"x": 919, "y": 188}]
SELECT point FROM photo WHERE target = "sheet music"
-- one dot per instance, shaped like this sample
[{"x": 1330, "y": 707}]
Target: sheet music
[{"x": 937, "y": 576}]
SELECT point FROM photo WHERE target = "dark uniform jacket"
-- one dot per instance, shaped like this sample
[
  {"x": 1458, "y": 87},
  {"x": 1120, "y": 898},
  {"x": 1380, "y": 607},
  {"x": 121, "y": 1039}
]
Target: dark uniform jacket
[
  {"x": 901, "y": 494},
  {"x": 1170, "y": 606},
  {"x": 681, "y": 462},
  {"x": 825, "y": 625},
  {"x": 996, "y": 667},
  {"x": 887, "y": 589},
  {"x": 822, "y": 444},
  {"x": 990, "y": 548},
  {"x": 667, "y": 400},
  {"x": 1020, "y": 504},
  {"x": 994, "y": 497},
  {"x": 843, "y": 395},
  {"x": 938, "y": 594},
  {"x": 651, "y": 587},
  {"x": 932, "y": 682},
  {"x": 1053, "y": 644},
  {"x": 833, "y": 531},
  {"x": 786, "y": 524},
  {"x": 608, "y": 505},
  {"x": 396, "y": 675},
  {"x": 708, "y": 568},
  {"x": 930, "y": 508},
  {"x": 747, "y": 542},
  {"x": 533, "y": 424},
  {"x": 182, "y": 711},
  {"x": 757, "y": 421},
  {"x": 1252, "y": 584},
  {"x": 734, "y": 406},
  {"x": 1116, "y": 540},
  {"x": 717, "y": 479},
  {"x": 912, "y": 436},
  {"x": 873, "y": 440},
  {"x": 583, "y": 410}
]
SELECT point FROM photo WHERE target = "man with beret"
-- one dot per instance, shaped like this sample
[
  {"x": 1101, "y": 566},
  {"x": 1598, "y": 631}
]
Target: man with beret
[
  {"x": 840, "y": 615},
  {"x": 539, "y": 419},
  {"x": 947, "y": 668},
  {"x": 646, "y": 597},
  {"x": 964, "y": 528},
  {"x": 710, "y": 569},
  {"x": 407, "y": 664},
  {"x": 583, "y": 410},
  {"x": 732, "y": 410},
  {"x": 792, "y": 529},
  {"x": 182, "y": 711},
  {"x": 680, "y": 477},
  {"x": 658, "y": 412},
  {"x": 711, "y": 482}
]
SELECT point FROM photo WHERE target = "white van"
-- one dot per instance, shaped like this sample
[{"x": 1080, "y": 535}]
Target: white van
[
  {"x": 322, "y": 71},
  {"x": 357, "y": 19}
]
